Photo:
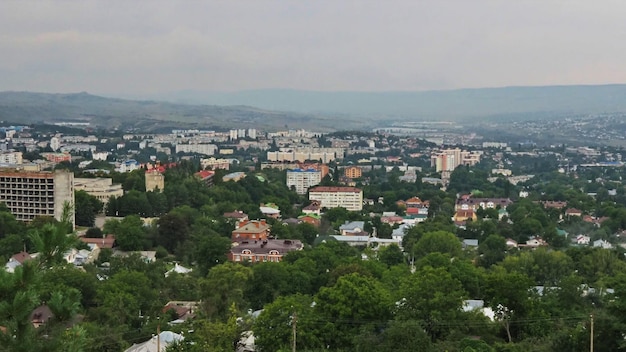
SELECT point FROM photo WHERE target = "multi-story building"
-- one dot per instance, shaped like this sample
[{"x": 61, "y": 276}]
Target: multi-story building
[
  {"x": 155, "y": 181},
  {"x": 57, "y": 157},
  {"x": 450, "y": 159},
  {"x": 252, "y": 133},
  {"x": 101, "y": 188},
  {"x": 353, "y": 172},
  {"x": 302, "y": 180},
  {"x": 350, "y": 198},
  {"x": 206, "y": 149},
  {"x": 32, "y": 194},
  {"x": 11, "y": 157},
  {"x": 214, "y": 164}
]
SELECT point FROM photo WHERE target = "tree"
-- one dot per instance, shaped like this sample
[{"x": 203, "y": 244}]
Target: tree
[
  {"x": 173, "y": 230},
  {"x": 273, "y": 328},
  {"x": 352, "y": 303},
  {"x": 391, "y": 255},
  {"x": 492, "y": 250},
  {"x": 87, "y": 207},
  {"x": 222, "y": 288},
  {"x": 129, "y": 233},
  {"x": 433, "y": 297},
  {"x": 439, "y": 241}
]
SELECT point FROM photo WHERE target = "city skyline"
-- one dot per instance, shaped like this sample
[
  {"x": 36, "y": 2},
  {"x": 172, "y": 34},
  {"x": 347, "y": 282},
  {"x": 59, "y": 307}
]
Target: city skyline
[{"x": 141, "y": 48}]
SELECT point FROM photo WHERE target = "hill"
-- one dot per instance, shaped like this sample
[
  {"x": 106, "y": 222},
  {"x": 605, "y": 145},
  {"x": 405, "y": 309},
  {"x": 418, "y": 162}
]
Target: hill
[
  {"x": 507, "y": 102},
  {"x": 26, "y": 107}
]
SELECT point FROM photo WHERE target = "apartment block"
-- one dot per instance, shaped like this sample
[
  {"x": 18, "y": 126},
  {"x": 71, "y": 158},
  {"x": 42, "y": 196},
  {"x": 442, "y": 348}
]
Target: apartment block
[
  {"x": 30, "y": 194},
  {"x": 155, "y": 181},
  {"x": 350, "y": 198},
  {"x": 206, "y": 149},
  {"x": 353, "y": 172},
  {"x": 302, "y": 180}
]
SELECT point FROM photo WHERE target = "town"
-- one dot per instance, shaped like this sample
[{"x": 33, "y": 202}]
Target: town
[{"x": 228, "y": 239}]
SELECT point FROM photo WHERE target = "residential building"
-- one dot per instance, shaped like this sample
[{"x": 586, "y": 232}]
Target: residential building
[
  {"x": 32, "y": 194},
  {"x": 263, "y": 251},
  {"x": 11, "y": 157},
  {"x": 101, "y": 188},
  {"x": 302, "y": 180},
  {"x": 353, "y": 172},
  {"x": 235, "y": 176},
  {"x": 57, "y": 157},
  {"x": 206, "y": 149},
  {"x": 350, "y": 198},
  {"x": 155, "y": 181},
  {"x": 354, "y": 228},
  {"x": 251, "y": 230},
  {"x": 206, "y": 176},
  {"x": 270, "y": 210},
  {"x": 214, "y": 164},
  {"x": 314, "y": 208},
  {"x": 468, "y": 202}
]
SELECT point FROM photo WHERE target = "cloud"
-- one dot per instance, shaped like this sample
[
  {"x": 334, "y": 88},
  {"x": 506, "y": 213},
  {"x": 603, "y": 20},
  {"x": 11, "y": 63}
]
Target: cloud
[{"x": 154, "y": 46}]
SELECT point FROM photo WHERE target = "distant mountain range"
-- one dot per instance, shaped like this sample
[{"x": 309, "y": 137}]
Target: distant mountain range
[
  {"x": 26, "y": 107},
  {"x": 320, "y": 111},
  {"x": 459, "y": 104}
]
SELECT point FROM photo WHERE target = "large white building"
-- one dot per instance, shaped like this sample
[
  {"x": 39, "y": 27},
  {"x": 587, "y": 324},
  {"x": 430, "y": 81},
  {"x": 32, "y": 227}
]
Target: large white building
[
  {"x": 206, "y": 149},
  {"x": 101, "y": 188},
  {"x": 350, "y": 198},
  {"x": 32, "y": 194},
  {"x": 302, "y": 180},
  {"x": 11, "y": 157}
]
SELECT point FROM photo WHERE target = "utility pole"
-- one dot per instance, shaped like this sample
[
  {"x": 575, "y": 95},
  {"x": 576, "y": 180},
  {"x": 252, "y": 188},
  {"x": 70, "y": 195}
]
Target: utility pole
[
  {"x": 294, "y": 322},
  {"x": 591, "y": 337}
]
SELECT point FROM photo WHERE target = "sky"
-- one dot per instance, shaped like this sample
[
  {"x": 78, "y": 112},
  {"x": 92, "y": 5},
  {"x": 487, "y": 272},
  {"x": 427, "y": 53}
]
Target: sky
[{"x": 142, "y": 47}]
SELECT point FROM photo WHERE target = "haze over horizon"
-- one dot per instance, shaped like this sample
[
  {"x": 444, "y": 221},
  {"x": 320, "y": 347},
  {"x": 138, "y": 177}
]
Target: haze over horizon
[{"x": 120, "y": 48}]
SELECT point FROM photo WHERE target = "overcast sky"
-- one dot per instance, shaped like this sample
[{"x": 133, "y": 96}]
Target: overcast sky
[{"x": 144, "y": 47}]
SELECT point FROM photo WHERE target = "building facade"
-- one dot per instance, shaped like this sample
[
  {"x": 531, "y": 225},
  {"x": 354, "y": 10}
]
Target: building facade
[
  {"x": 302, "y": 180},
  {"x": 33, "y": 194},
  {"x": 155, "y": 181},
  {"x": 101, "y": 188},
  {"x": 350, "y": 198},
  {"x": 353, "y": 172}
]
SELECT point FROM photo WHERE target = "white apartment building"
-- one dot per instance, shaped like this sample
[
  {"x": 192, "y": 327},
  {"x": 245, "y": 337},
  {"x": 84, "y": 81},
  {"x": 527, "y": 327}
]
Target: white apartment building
[
  {"x": 30, "y": 194},
  {"x": 350, "y": 198},
  {"x": 206, "y": 149},
  {"x": 252, "y": 133},
  {"x": 214, "y": 164},
  {"x": 450, "y": 159},
  {"x": 11, "y": 157},
  {"x": 101, "y": 188},
  {"x": 302, "y": 180},
  {"x": 324, "y": 155}
]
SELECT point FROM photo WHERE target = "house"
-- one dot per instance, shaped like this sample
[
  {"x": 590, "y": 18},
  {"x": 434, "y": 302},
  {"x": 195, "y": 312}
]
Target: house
[
  {"x": 236, "y": 215},
  {"x": 365, "y": 240},
  {"x": 184, "y": 310},
  {"x": 314, "y": 208},
  {"x": 178, "y": 269},
  {"x": 352, "y": 228},
  {"x": 467, "y": 202},
  {"x": 399, "y": 233},
  {"x": 312, "y": 219},
  {"x": 553, "y": 204},
  {"x": 17, "y": 260},
  {"x": 270, "y": 210},
  {"x": 602, "y": 244},
  {"x": 463, "y": 215},
  {"x": 583, "y": 240},
  {"x": 511, "y": 243},
  {"x": 535, "y": 242},
  {"x": 251, "y": 230},
  {"x": 107, "y": 241},
  {"x": 166, "y": 338},
  {"x": 470, "y": 243},
  {"x": 414, "y": 202},
  {"x": 392, "y": 220},
  {"x": 268, "y": 250},
  {"x": 573, "y": 212}
]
